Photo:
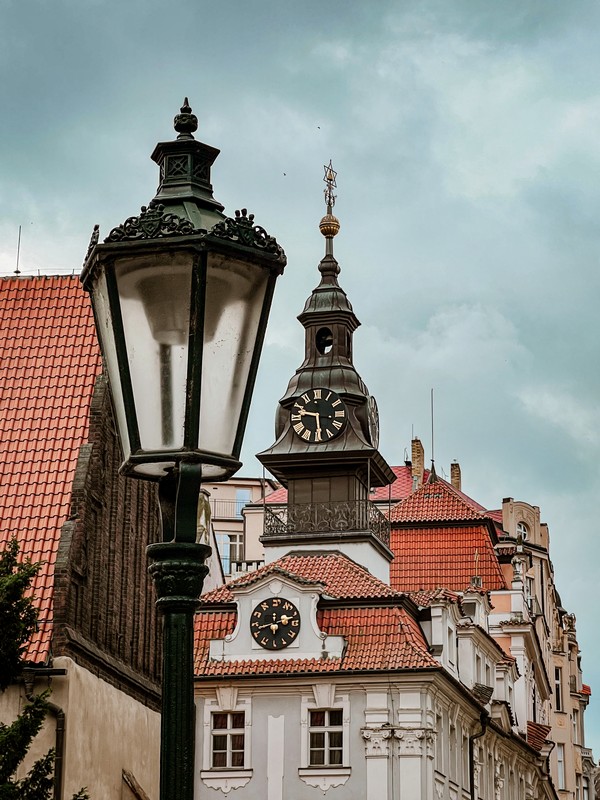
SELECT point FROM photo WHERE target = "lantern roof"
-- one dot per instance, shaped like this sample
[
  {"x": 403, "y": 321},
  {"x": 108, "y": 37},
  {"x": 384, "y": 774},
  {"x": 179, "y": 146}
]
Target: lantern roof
[{"x": 185, "y": 163}]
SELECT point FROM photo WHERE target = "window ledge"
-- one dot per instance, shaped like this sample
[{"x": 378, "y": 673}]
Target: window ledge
[
  {"x": 226, "y": 779},
  {"x": 324, "y": 778}
]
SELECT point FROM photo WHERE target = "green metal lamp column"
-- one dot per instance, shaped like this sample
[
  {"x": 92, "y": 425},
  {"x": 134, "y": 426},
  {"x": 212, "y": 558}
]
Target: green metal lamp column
[{"x": 178, "y": 571}]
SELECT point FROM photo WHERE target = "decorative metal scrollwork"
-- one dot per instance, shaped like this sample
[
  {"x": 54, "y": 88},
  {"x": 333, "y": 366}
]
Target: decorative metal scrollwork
[
  {"x": 243, "y": 230},
  {"x": 152, "y": 223},
  {"x": 155, "y": 223}
]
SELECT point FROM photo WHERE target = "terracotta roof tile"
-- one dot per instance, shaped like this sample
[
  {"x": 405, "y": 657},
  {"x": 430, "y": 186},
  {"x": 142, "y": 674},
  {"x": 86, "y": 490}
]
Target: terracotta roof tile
[
  {"x": 49, "y": 360},
  {"x": 427, "y": 597},
  {"x": 585, "y": 689},
  {"x": 430, "y": 558},
  {"x": 340, "y": 577},
  {"x": 436, "y": 502},
  {"x": 537, "y": 734},
  {"x": 377, "y": 639}
]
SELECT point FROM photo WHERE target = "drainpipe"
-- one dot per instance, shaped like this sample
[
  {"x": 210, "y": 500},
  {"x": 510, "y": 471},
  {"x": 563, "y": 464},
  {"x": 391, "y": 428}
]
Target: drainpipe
[
  {"x": 483, "y": 719},
  {"x": 29, "y": 676},
  {"x": 59, "y": 750}
]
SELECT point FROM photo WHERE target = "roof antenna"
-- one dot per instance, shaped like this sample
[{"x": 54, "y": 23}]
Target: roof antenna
[{"x": 17, "y": 270}]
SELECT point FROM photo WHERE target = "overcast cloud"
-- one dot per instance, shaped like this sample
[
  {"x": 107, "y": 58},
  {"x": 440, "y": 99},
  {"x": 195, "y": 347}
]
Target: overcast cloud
[{"x": 466, "y": 137}]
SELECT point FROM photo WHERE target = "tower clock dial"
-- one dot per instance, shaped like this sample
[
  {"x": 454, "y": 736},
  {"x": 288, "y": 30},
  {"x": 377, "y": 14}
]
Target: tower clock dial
[
  {"x": 318, "y": 416},
  {"x": 373, "y": 421},
  {"x": 275, "y": 623}
]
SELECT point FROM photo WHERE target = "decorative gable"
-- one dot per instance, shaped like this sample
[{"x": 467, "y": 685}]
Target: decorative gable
[{"x": 276, "y": 617}]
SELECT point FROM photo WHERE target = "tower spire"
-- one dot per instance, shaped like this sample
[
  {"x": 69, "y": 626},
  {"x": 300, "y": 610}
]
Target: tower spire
[{"x": 329, "y": 225}]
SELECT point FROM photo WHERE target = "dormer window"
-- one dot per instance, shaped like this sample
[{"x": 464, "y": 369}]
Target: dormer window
[{"x": 522, "y": 530}]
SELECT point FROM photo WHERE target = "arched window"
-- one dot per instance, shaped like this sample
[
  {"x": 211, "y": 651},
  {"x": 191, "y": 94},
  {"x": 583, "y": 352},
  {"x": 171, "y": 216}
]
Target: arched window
[{"x": 522, "y": 530}]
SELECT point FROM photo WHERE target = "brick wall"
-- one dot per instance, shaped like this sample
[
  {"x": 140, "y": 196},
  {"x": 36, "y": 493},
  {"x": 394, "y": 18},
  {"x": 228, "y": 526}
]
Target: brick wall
[{"x": 104, "y": 614}]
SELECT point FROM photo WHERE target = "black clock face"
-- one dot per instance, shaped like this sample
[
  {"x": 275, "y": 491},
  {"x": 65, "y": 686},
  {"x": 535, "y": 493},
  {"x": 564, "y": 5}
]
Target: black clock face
[
  {"x": 318, "y": 416},
  {"x": 275, "y": 623},
  {"x": 373, "y": 422}
]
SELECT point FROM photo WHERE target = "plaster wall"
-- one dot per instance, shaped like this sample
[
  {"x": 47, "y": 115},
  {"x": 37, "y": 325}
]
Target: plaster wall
[
  {"x": 416, "y": 750},
  {"x": 106, "y": 732}
]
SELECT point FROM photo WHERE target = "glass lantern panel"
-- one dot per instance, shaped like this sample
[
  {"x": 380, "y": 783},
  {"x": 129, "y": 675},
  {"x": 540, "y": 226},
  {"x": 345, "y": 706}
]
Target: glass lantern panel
[
  {"x": 154, "y": 292},
  {"x": 106, "y": 333},
  {"x": 235, "y": 292}
]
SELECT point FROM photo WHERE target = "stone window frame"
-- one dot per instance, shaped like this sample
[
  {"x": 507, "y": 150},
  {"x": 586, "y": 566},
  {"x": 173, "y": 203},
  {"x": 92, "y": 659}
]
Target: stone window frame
[
  {"x": 324, "y": 698},
  {"x": 227, "y": 700}
]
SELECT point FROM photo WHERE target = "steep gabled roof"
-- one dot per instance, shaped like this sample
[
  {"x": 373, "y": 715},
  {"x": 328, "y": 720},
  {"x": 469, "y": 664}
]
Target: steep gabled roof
[
  {"x": 436, "y": 502},
  {"x": 443, "y": 556},
  {"x": 340, "y": 577},
  {"x": 49, "y": 361}
]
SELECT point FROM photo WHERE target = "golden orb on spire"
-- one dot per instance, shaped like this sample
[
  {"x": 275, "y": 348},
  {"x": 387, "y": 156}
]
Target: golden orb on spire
[{"x": 329, "y": 225}]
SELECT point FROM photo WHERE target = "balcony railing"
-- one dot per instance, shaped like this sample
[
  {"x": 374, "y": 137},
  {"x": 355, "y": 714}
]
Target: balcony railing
[
  {"x": 324, "y": 519},
  {"x": 239, "y": 568},
  {"x": 230, "y": 509}
]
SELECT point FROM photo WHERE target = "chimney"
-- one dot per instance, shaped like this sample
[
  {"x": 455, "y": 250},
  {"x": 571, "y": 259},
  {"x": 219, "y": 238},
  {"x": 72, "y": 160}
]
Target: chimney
[
  {"x": 455, "y": 478},
  {"x": 418, "y": 463}
]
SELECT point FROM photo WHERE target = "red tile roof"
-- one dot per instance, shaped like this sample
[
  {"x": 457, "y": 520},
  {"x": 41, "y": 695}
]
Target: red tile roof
[
  {"x": 427, "y": 597},
  {"x": 340, "y": 577},
  {"x": 376, "y": 639},
  {"x": 436, "y": 502},
  {"x": 585, "y": 689},
  {"x": 49, "y": 360},
  {"x": 537, "y": 734},
  {"x": 430, "y": 558}
]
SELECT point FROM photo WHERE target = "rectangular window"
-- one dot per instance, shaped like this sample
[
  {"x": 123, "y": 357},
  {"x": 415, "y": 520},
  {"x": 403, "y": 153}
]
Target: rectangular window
[
  {"x": 560, "y": 757},
  {"x": 558, "y": 700},
  {"x": 453, "y": 752},
  {"x": 586, "y": 788},
  {"x": 326, "y": 738},
  {"x": 575, "y": 726},
  {"x": 242, "y": 498},
  {"x": 228, "y": 740},
  {"x": 231, "y": 548}
]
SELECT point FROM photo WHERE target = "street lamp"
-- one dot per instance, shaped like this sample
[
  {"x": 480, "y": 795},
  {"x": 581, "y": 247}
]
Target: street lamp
[{"x": 181, "y": 297}]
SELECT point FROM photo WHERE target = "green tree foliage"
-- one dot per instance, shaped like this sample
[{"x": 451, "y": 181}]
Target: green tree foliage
[
  {"x": 18, "y": 615},
  {"x": 18, "y": 618}
]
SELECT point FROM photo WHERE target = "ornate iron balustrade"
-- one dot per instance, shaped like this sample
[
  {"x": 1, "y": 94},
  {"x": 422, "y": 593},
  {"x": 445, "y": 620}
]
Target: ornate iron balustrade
[{"x": 327, "y": 518}]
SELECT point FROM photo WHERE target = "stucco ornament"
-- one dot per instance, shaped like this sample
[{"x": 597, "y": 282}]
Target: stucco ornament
[
  {"x": 225, "y": 782},
  {"x": 324, "y": 778},
  {"x": 412, "y": 741},
  {"x": 376, "y": 742}
]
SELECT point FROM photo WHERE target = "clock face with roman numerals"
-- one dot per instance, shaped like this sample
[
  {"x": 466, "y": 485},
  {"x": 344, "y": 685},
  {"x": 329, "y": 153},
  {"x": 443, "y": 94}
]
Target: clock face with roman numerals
[
  {"x": 318, "y": 416},
  {"x": 275, "y": 623}
]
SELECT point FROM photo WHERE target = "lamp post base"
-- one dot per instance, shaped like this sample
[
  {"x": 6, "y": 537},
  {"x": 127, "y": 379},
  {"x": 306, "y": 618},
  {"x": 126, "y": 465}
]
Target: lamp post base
[{"x": 178, "y": 571}]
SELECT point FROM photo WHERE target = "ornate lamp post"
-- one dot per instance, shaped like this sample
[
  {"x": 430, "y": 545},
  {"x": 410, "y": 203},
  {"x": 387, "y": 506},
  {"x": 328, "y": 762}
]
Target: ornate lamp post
[{"x": 181, "y": 297}]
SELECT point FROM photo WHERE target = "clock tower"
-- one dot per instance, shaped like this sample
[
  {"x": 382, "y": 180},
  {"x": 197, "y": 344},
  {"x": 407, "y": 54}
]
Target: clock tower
[{"x": 327, "y": 434}]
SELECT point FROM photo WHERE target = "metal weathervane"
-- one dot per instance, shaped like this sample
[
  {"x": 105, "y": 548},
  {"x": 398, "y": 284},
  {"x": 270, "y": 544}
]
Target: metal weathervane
[{"x": 329, "y": 180}]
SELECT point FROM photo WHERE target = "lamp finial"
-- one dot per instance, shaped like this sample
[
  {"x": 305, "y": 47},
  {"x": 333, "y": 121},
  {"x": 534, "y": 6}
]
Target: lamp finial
[{"x": 185, "y": 123}]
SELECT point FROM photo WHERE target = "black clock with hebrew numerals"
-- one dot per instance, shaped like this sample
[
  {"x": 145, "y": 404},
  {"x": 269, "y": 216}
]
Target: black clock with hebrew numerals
[
  {"x": 275, "y": 623},
  {"x": 318, "y": 416}
]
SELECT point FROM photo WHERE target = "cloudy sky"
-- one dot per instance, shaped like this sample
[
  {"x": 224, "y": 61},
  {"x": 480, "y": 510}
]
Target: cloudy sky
[{"x": 466, "y": 135}]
